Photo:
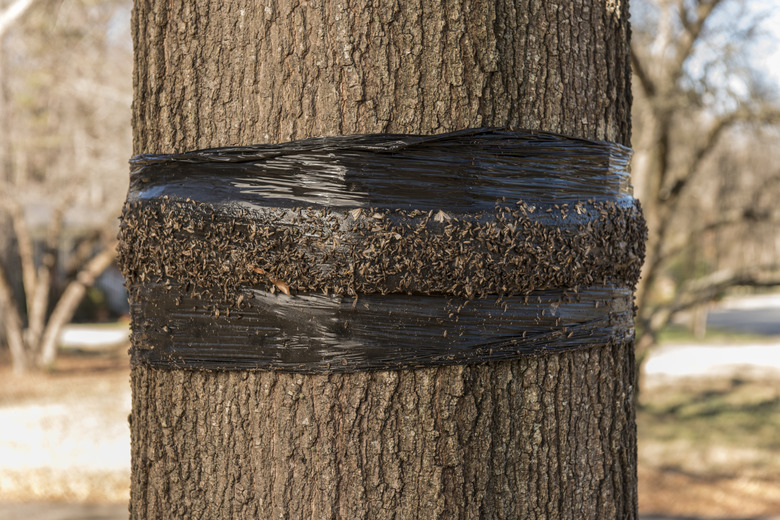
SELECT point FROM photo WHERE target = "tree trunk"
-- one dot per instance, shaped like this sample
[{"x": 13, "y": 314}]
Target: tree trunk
[
  {"x": 69, "y": 301},
  {"x": 537, "y": 437},
  {"x": 12, "y": 326}
]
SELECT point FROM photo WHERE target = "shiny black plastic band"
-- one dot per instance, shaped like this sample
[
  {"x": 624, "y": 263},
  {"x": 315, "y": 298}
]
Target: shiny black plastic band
[
  {"x": 465, "y": 171},
  {"x": 316, "y": 333}
]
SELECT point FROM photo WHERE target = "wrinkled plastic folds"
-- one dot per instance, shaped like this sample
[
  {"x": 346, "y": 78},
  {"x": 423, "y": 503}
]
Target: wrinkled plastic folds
[
  {"x": 461, "y": 171},
  {"x": 380, "y": 251},
  {"x": 317, "y": 333}
]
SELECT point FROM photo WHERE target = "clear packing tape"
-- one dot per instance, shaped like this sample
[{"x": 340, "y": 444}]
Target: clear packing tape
[{"x": 380, "y": 251}]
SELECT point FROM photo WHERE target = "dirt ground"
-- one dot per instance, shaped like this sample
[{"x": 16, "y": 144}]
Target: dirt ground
[
  {"x": 667, "y": 492},
  {"x": 710, "y": 448},
  {"x": 65, "y": 434},
  {"x": 707, "y": 450}
]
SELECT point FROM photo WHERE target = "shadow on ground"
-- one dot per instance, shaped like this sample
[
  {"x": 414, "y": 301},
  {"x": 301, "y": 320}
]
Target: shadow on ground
[{"x": 59, "y": 511}]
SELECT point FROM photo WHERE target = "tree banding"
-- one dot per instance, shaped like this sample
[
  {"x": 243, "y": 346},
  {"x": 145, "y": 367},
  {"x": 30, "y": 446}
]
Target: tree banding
[
  {"x": 538, "y": 436},
  {"x": 465, "y": 247}
]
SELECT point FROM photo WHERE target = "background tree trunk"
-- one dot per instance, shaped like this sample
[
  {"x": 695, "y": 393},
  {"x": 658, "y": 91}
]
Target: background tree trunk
[{"x": 550, "y": 437}]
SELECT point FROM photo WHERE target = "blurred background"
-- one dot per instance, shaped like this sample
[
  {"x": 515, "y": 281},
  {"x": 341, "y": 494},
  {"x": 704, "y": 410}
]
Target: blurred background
[{"x": 706, "y": 169}]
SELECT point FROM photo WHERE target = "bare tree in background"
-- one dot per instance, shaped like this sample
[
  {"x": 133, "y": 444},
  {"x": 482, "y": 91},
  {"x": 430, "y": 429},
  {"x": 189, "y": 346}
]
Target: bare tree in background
[
  {"x": 64, "y": 125},
  {"x": 699, "y": 107}
]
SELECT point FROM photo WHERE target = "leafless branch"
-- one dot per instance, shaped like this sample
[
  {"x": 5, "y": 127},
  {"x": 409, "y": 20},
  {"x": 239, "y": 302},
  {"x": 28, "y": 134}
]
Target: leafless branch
[
  {"x": 722, "y": 124},
  {"x": 702, "y": 290},
  {"x": 66, "y": 305},
  {"x": 12, "y": 323},
  {"x": 693, "y": 24},
  {"x": 700, "y": 152},
  {"x": 648, "y": 87},
  {"x": 12, "y": 13},
  {"x": 685, "y": 15},
  {"x": 38, "y": 301},
  {"x": 26, "y": 249},
  {"x": 743, "y": 219}
]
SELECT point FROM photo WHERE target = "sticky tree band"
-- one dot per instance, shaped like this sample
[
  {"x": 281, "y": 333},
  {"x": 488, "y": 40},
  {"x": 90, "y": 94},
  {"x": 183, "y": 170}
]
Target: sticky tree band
[{"x": 380, "y": 251}]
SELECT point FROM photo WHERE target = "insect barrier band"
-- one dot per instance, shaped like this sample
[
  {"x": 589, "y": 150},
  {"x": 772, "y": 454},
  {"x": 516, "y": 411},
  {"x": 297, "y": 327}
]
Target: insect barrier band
[{"x": 380, "y": 251}]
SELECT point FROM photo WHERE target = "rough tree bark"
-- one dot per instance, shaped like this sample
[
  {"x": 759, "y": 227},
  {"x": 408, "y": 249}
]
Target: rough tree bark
[{"x": 548, "y": 437}]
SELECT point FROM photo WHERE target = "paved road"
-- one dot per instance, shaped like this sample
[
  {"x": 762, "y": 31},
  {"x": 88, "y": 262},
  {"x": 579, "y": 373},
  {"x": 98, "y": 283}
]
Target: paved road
[
  {"x": 758, "y": 315},
  {"x": 760, "y": 320}
]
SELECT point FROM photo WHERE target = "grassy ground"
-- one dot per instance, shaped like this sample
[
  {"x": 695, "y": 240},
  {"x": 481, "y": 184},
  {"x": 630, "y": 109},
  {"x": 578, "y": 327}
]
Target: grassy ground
[
  {"x": 706, "y": 448},
  {"x": 710, "y": 447},
  {"x": 674, "y": 334}
]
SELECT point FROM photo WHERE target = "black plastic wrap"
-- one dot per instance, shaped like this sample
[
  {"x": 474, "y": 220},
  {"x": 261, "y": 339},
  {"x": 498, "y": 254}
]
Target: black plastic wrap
[
  {"x": 380, "y": 251},
  {"x": 465, "y": 171},
  {"x": 318, "y": 333}
]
